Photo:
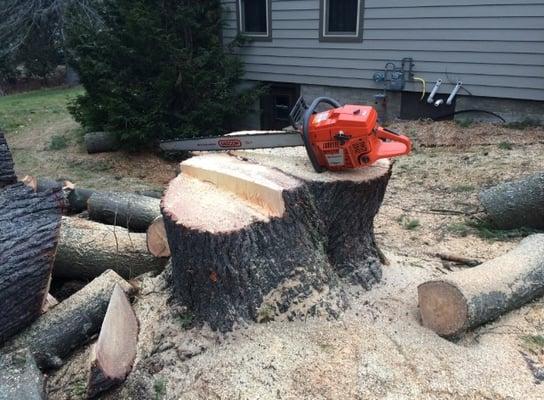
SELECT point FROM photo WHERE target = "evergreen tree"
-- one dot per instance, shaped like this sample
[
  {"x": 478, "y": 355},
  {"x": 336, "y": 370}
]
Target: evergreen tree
[{"x": 157, "y": 69}]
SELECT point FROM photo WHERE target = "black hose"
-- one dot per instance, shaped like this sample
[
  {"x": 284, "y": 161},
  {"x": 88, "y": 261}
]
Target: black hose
[{"x": 473, "y": 110}]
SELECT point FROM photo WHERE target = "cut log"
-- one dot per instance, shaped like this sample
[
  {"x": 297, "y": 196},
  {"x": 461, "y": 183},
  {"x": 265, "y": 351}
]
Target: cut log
[
  {"x": 468, "y": 298},
  {"x": 249, "y": 241},
  {"x": 516, "y": 204},
  {"x": 71, "y": 323},
  {"x": 157, "y": 242},
  {"x": 132, "y": 211},
  {"x": 77, "y": 199},
  {"x": 156, "y": 194},
  {"x": 30, "y": 224},
  {"x": 20, "y": 378},
  {"x": 114, "y": 352},
  {"x": 86, "y": 249},
  {"x": 101, "y": 142},
  {"x": 7, "y": 172}
]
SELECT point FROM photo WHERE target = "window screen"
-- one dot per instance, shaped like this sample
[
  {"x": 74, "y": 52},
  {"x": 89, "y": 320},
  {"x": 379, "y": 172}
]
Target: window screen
[
  {"x": 342, "y": 16},
  {"x": 254, "y": 16}
]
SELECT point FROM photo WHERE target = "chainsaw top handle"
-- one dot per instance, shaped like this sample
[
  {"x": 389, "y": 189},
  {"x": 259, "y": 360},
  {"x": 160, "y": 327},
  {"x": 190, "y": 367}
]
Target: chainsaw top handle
[{"x": 306, "y": 129}]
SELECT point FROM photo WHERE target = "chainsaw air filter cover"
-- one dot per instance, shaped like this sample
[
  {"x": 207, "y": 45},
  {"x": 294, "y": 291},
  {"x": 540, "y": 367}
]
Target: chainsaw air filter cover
[{"x": 349, "y": 137}]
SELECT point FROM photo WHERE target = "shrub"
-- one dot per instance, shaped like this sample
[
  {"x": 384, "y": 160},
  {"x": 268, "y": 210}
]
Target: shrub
[{"x": 157, "y": 70}]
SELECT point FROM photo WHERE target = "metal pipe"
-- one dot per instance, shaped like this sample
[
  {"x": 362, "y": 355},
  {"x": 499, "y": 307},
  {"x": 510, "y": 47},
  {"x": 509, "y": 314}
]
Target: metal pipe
[
  {"x": 430, "y": 99},
  {"x": 454, "y": 93}
]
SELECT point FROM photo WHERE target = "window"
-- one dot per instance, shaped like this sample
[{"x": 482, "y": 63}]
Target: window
[
  {"x": 341, "y": 20},
  {"x": 254, "y": 18}
]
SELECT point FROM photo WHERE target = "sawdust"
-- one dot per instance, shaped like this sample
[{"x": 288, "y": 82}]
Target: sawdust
[{"x": 377, "y": 349}]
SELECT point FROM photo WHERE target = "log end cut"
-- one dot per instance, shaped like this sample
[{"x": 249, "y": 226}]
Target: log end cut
[
  {"x": 442, "y": 307},
  {"x": 114, "y": 352},
  {"x": 157, "y": 242}
]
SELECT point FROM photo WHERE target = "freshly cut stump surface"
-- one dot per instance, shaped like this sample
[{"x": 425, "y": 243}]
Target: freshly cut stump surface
[
  {"x": 471, "y": 297},
  {"x": 252, "y": 242}
]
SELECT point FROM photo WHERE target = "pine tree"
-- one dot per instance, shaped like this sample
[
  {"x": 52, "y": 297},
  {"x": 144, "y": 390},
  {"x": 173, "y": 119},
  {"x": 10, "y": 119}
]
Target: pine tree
[{"x": 157, "y": 69}]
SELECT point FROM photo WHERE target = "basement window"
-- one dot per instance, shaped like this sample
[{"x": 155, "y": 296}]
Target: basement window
[
  {"x": 341, "y": 20},
  {"x": 254, "y": 18}
]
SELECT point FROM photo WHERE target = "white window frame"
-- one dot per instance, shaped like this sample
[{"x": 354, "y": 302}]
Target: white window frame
[
  {"x": 255, "y": 35},
  {"x": 325, "y": 35}
]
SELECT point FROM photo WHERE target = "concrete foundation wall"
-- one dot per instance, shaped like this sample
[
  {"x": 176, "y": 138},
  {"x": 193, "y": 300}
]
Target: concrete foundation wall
[{"x": 512, "y": 110}]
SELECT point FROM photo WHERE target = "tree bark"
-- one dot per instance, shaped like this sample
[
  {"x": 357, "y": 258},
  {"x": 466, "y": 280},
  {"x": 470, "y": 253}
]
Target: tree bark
[
  {"x": 114, "y": 352},
  {"x": 77, "y": 199},
  {"x": 469, "y": 298},
  {"x": 20, "y": 378},
  {"x": 71, "y": 323},
  {"x": 86, "y": 249},
  {"x": 157, "y": 242},
  {"x": 516, "y": 204},
  {"x": 252, "y": 242},
  {"x": 7, "y": 172},
  {"x": 101, "y": 142},
  {"x": 129, "y": 210},
  {"x": 29, "y": 232}
]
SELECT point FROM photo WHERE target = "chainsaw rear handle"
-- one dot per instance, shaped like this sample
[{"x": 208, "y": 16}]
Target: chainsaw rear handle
[
  {"x": 397, "y": 145},
  {"x": 306, "y": 129}
]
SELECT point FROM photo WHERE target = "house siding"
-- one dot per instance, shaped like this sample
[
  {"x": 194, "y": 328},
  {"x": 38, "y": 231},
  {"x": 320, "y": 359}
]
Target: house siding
[{"x": 496, "y": 48}]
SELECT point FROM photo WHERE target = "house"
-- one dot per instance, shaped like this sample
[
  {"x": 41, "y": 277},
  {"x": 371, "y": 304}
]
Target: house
[{"x": 389, "y": 52}]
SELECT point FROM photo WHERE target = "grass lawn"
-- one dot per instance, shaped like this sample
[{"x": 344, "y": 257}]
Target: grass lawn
[
  {"x": 46, "y": 142},
  {"x": 19, "y": 112}
]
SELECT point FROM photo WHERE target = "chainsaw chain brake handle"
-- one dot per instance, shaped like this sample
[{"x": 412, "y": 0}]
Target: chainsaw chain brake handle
[
  {"x": 306, "y": 129},
  {"x": 396, "y": 144}
]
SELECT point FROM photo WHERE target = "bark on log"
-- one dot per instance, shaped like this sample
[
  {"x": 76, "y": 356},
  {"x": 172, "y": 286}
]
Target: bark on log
[
  {"x": 86, "y": 249},
  {"x": 472, "y": 297},
  {"x": 101, "y": 142},
  {"x": 20, "y": 378},
  {"x": 7, "y": 173},
  {"x": 71, "y": 323},
  {"x": 516, "y": 204},
  {"x": 157, "y": 242},
  {"x": 114, "y": 352},
  {"x": 249, "y": 241},
  {"x": 129, "y": 210},
  {"x": 29, "y": 232},
  {"x": 77, "y": 199}
]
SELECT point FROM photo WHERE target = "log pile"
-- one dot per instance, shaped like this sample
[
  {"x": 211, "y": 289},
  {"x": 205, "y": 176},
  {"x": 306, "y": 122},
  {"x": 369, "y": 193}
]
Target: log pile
[{"x": 250, "y": 241}]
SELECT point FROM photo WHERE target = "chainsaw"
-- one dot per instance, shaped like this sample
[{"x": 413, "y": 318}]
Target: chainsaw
[{"x": 343, "y": 137}]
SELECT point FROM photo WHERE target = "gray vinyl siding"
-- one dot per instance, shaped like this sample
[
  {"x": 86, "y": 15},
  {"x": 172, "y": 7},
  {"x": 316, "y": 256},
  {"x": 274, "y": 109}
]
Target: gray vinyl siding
[{"x": 496, "y": 47}]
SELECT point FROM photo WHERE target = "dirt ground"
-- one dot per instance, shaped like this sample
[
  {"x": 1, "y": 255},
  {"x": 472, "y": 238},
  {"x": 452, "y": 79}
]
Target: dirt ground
[{"x": 377, "y": 349}]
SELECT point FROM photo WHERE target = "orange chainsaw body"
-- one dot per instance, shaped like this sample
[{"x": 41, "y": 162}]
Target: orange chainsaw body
[{"x": 350, "y": 137}]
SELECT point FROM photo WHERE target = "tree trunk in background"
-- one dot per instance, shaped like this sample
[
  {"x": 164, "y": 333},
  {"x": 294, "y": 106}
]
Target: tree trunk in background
[
  {"x": 132, "y": 211},
  {"x": 255, "y": 241},
  {"x": 7, "y": 173},
  {"x": 516, "y": 204},
  {"x": 87, "y": 249},
  {"x": 101, "y": 142},
  {"x": 469, "y": 298}
]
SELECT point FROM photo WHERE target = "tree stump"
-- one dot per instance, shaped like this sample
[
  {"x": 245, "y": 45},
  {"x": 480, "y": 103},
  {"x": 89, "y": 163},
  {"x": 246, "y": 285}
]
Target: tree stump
[{"x": 256, "y": 238}]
